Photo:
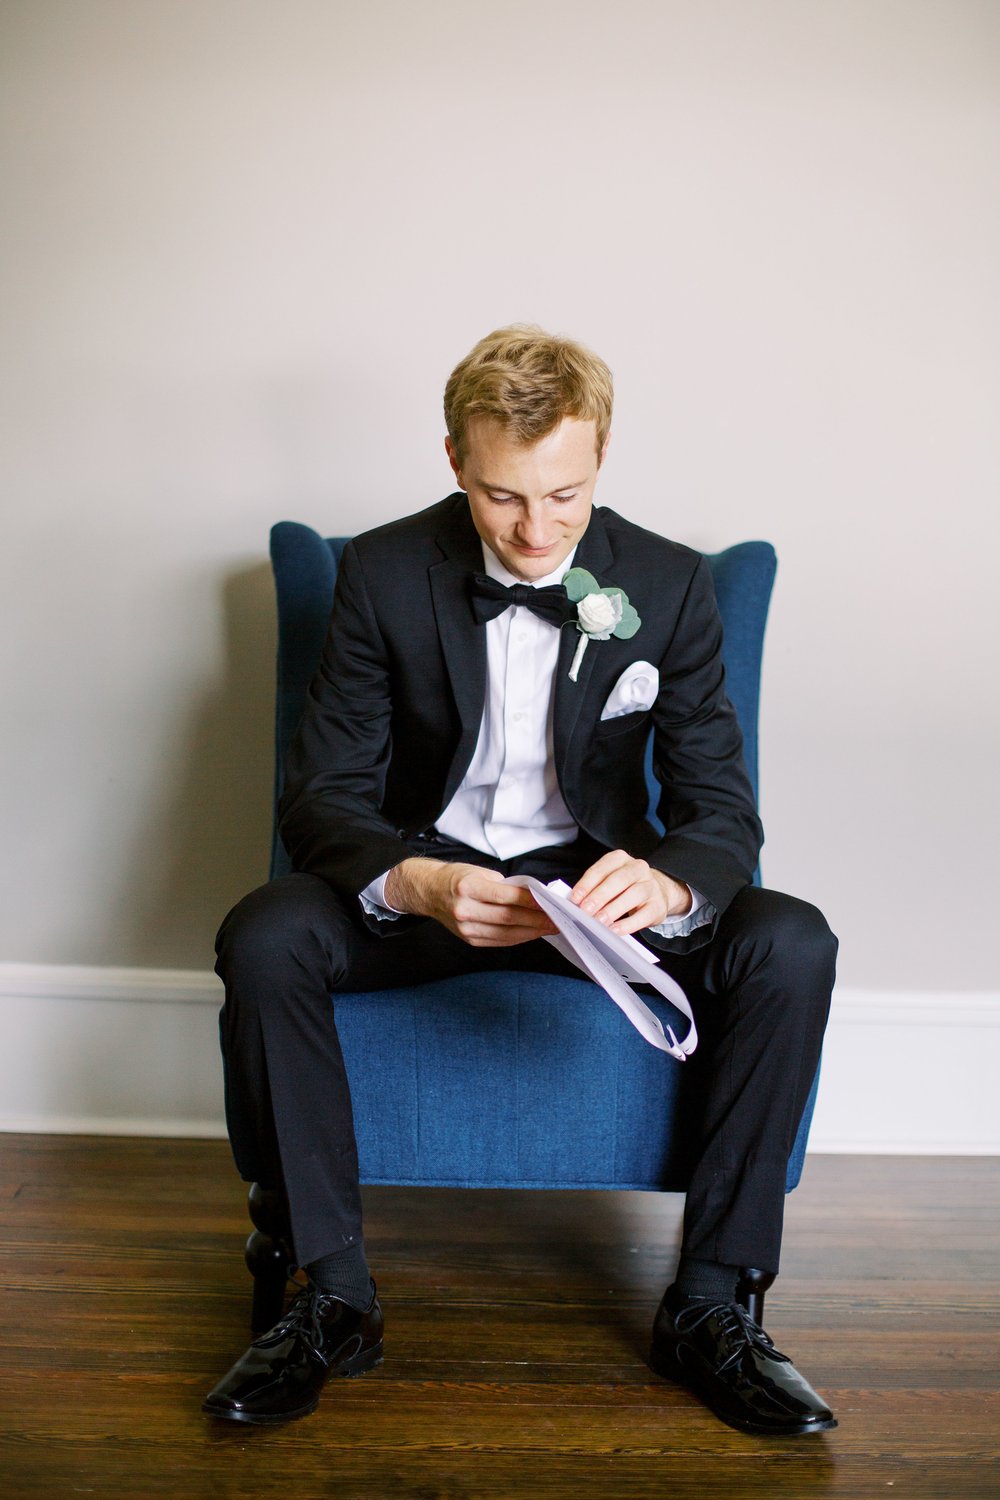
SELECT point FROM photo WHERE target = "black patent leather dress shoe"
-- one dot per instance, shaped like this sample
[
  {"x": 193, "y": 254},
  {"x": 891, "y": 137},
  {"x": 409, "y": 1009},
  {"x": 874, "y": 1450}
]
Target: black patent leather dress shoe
[
  {"x": 281, "y": 1375},
  {"x": 720, "y": 1353}
]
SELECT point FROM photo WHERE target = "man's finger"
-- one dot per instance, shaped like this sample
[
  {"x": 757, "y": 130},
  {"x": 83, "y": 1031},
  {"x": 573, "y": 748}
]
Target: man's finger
[
  {"x": 470, "y": 907},
  {"x": 643, "y": 916},
  {"x": 490, "y": 887},
  {"x": 636, "y": 897},
  {"x": 492, "y": 935},
  {"x": 609, "y": 890},
  {"x": 504, "y": 913},
  {"x": 592, "y": 877},
  {"x": 619, "y": 877}
]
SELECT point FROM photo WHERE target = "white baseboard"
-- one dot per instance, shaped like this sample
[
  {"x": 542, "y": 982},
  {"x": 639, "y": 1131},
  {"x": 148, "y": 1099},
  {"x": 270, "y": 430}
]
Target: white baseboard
[
  {"x": 910, "y": 1073},
  {"x": 135, "y": 1052},
  {"x": 110, "y": 1051},
  {"x": 144, "y": 1125}
]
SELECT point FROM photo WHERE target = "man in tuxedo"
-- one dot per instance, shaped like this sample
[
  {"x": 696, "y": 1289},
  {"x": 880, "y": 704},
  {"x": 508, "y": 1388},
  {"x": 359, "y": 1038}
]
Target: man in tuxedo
[{"x": 453, "y": 737}]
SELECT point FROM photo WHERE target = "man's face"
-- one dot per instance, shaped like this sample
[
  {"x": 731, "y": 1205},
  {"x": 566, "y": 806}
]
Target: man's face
[{"x": 531, "y": 505}]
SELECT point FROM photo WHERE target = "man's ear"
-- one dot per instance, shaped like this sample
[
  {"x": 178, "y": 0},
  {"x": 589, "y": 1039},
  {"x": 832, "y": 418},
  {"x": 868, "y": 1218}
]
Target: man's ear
[
  {"x": 604, "y": 451},
  {"x": 449, "y": 448}
]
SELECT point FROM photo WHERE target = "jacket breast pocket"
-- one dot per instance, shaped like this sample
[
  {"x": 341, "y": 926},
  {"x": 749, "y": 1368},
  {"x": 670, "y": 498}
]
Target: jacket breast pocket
[{"x": 634, "y": 723}]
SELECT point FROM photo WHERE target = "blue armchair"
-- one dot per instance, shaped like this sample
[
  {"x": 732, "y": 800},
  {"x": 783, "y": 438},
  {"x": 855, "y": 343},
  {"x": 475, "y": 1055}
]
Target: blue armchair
[{"x": 503, "y": 1080}]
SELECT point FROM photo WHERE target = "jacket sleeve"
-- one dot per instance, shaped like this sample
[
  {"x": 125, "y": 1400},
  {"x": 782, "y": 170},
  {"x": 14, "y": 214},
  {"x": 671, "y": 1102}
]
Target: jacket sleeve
[
  {"x": 329, "y": 815},
  {"x": 712, "y": 833}
]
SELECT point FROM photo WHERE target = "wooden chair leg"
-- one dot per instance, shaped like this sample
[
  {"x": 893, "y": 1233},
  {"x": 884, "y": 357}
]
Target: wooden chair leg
[
  {"x": 268, "y": 1256},
  {"x": 750, "y": 1289}
]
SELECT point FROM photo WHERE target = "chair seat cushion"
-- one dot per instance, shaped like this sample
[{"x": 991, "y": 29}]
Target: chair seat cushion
[{"x": 514, "y": 1080}]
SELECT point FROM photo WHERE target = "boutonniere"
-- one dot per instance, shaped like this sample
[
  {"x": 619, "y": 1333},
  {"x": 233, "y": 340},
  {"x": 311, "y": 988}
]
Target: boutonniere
[{"x": 600, "y": 613}]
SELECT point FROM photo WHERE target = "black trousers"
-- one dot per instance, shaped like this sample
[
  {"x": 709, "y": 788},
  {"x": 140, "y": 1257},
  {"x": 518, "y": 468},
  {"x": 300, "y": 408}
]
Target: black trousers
[{"x": 760, "y": 991}]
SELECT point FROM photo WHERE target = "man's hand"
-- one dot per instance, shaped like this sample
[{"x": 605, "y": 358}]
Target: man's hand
[
  {"x": 475, "y": 904},
  {"x": 626, "y": 895}
]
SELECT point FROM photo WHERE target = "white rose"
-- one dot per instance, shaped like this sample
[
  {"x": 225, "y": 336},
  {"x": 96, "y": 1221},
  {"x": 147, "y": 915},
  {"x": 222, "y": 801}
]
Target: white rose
[{"x": 598, "y": 614}]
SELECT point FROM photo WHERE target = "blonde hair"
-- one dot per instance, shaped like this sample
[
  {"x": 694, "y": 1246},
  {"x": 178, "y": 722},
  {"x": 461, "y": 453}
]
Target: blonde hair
[{"x": 528, "y": 380}]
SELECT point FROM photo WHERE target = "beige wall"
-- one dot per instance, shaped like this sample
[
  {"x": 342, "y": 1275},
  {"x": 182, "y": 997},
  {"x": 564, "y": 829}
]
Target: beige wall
[{"x": 245, "y": 242}]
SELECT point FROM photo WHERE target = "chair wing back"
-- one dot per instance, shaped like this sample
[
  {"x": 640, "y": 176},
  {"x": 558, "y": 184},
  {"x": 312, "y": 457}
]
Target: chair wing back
[{"x": 305, "y": 572}]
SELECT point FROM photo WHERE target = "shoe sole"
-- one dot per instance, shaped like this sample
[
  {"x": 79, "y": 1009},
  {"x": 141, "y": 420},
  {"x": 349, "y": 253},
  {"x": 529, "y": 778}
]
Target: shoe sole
[
  {"x": 674, "y": 1372},
  {"x": 358, "y": 1364}
]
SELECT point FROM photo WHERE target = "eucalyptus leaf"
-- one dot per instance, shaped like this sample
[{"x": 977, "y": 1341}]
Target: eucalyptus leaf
[
  {"x": 578, "y": 583},
  {"x": 628, "y": 624}
]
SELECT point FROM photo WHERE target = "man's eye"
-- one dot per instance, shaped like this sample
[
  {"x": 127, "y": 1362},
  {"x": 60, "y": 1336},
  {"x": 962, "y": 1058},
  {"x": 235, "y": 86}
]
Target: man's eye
[{"x": 565, "y": 498}]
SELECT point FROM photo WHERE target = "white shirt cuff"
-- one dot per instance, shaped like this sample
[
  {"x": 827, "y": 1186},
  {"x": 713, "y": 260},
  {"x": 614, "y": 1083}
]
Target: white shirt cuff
[
  {"x": 373, "y": 900},
  {"x": 700, "y": 914}
]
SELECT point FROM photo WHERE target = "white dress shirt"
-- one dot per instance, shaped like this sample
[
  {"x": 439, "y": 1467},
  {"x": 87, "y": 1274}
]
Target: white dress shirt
[{"x": 509, "y": 799}]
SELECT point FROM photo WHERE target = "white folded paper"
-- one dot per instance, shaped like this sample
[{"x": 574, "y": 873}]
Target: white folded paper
[{"x": 611, "y": 960}]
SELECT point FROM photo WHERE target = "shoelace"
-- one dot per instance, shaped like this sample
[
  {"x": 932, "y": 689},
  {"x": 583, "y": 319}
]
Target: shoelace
[
  {"x": 301, "y": 1319},
  {"x": 735, "y": 1325}
]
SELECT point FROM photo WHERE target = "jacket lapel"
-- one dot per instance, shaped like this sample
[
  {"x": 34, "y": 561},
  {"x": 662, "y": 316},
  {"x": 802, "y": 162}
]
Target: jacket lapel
[
  {"x": 463, "y": 642},
  {"x": 596, "y": 555}
]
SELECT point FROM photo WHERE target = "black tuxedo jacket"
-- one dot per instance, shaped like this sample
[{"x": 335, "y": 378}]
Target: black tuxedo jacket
[{"x": 394, "y": 711}]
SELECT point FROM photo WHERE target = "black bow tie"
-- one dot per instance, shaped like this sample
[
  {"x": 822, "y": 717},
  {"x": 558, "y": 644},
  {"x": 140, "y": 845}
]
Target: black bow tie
[{"x": 490, "y": 598}]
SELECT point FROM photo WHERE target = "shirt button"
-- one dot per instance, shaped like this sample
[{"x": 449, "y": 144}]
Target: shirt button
[
  {"x": 522, "y": 635},
  {"x": 518, "y": 718}
]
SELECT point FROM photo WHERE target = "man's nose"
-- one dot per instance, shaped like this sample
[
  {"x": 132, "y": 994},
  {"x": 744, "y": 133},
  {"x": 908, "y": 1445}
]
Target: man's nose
[{"x": 534, "y": 529}]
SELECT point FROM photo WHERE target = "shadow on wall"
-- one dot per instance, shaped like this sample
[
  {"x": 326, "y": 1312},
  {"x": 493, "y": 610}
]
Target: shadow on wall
[{"x": 208, "y": 842}]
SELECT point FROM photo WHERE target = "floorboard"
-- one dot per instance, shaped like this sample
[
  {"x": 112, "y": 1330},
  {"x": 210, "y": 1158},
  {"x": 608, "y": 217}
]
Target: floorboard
[{"x": 517, "y": 1326}]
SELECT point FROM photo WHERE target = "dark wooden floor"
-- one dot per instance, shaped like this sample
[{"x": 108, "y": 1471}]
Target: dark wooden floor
[{"x": 517, "y": 1328}]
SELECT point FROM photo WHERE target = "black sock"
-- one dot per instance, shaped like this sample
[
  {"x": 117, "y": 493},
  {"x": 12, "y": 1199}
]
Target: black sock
[
  {"x": 705, "y": 1278},
  {"x": 344, "y": 1273}
]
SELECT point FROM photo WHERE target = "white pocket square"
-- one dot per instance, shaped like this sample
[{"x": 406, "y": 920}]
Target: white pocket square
[{"x": 635, "y": 689}]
